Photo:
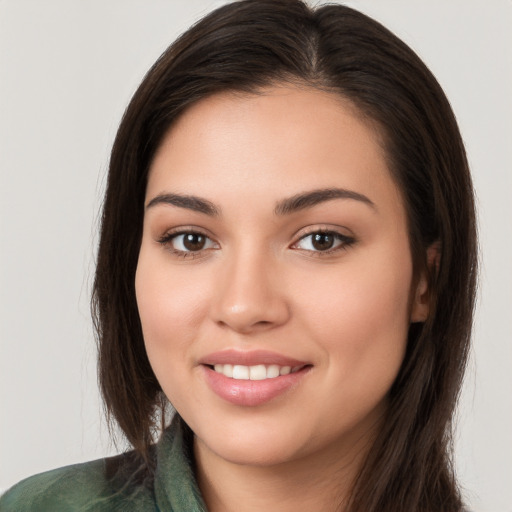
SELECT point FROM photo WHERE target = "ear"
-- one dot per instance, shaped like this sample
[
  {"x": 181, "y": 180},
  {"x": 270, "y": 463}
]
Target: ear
[{"x": 420, "y": 307}]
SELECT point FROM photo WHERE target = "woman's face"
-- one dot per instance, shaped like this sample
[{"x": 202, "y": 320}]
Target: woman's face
[{"x": 275, "y": 282}]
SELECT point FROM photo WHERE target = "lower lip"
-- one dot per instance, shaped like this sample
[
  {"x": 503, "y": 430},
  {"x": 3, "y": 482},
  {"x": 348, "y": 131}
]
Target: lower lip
[{"x": 251, "y": 393}]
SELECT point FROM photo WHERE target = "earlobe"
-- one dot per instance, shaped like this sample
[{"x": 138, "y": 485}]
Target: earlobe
[{"x": 421, "y": 300}]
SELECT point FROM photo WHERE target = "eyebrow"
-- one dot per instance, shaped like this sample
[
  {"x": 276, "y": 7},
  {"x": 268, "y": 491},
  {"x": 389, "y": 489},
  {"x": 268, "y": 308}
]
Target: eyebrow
[
  {"x": 193, "y": 203},
  {"x": 285, "y": 207},
  {"x": 309, "y": 199}
]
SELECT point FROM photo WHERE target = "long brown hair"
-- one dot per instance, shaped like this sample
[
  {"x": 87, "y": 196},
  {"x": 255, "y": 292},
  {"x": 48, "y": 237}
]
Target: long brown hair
[{"x": 245, "y": 46}]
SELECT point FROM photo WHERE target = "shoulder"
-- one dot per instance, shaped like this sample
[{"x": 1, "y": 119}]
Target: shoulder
[{"x": 101, "y": 485}]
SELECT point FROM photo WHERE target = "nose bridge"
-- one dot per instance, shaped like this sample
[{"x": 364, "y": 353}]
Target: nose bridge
[{"x": 249, "y": 295}]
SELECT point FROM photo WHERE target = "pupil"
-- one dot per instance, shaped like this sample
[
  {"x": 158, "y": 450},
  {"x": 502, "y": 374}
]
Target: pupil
[
  {"x": 194, "y": 241},
  {"x": 323, "y": 241}
]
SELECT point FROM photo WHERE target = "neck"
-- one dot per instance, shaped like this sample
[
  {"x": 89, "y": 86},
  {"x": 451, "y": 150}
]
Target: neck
[{"x": 321, "y": 481}]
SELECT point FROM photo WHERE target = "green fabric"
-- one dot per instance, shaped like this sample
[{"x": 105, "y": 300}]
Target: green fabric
[{"x": 86, "y": 488}]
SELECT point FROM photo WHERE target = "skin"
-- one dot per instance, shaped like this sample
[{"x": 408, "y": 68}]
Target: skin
[{"x": 259, "y": 283}]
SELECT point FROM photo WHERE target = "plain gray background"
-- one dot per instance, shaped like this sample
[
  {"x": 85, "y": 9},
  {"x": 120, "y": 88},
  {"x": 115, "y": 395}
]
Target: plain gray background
[{"x": 67, "y": 71}]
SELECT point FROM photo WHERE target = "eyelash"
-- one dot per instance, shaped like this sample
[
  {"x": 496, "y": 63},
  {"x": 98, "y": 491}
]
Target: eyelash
[
  {"x": 343, "y": 243},
  {"x": 167, "y": 239}
]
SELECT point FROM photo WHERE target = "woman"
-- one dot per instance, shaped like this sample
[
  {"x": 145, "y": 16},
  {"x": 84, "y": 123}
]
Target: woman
[{"x": 287, "y": 256}]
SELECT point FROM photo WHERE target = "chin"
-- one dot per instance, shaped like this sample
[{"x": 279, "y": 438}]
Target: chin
[{"x": 250, "y": 453}]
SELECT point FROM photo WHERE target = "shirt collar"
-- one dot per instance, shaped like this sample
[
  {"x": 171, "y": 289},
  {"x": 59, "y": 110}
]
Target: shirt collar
[{"x": 176, "y": 487}]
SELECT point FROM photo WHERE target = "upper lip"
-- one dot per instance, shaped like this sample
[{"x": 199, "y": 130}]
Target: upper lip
[{"x": 249, "y": 358}]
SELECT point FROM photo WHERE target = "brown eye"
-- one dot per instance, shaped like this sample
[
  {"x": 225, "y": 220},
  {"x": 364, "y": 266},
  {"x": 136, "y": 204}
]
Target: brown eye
[
  {"x": 194, "y": 241},
  {"x": 187, "y": 242},
  {"x": 322, "y": 241}
]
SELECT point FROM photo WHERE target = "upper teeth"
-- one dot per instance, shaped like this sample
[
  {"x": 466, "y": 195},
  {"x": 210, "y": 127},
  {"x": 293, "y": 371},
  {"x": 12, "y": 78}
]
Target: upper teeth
[{"x": 257, "y": 372}]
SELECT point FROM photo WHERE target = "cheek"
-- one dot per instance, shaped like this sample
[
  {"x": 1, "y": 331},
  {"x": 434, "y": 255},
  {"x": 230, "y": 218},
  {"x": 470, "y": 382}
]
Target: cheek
[
  {"x": 359, "y": 312},
  {"x": 169, "y": 305},
  {"x": 358, "y": 318}
]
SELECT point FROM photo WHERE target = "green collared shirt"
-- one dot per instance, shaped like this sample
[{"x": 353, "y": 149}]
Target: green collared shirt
[{"x": 114, "y": 484}]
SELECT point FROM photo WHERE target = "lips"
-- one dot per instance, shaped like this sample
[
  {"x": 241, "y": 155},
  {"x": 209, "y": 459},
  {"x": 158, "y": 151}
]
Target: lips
[{"x": 251, "y": 378}]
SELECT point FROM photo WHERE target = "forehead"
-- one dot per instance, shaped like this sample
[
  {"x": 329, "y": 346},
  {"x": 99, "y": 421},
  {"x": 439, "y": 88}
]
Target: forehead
[{"x": 279, "y": 141}]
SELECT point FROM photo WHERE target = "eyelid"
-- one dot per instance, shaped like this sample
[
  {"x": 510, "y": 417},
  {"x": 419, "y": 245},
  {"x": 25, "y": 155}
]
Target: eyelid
[
  {"x": 347, "y": 240},
  {"x": 166, "y": 241},
  {"x": 183, "y": 229}
]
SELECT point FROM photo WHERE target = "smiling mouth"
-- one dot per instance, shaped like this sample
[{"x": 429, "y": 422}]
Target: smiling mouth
[
  {"x": 256, "y": 372},
  {"x": 263, "y": 377}
]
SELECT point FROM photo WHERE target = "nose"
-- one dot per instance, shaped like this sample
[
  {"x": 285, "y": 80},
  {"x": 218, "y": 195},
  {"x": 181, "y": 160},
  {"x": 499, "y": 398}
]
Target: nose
[{"x": 250, "y": 297}]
